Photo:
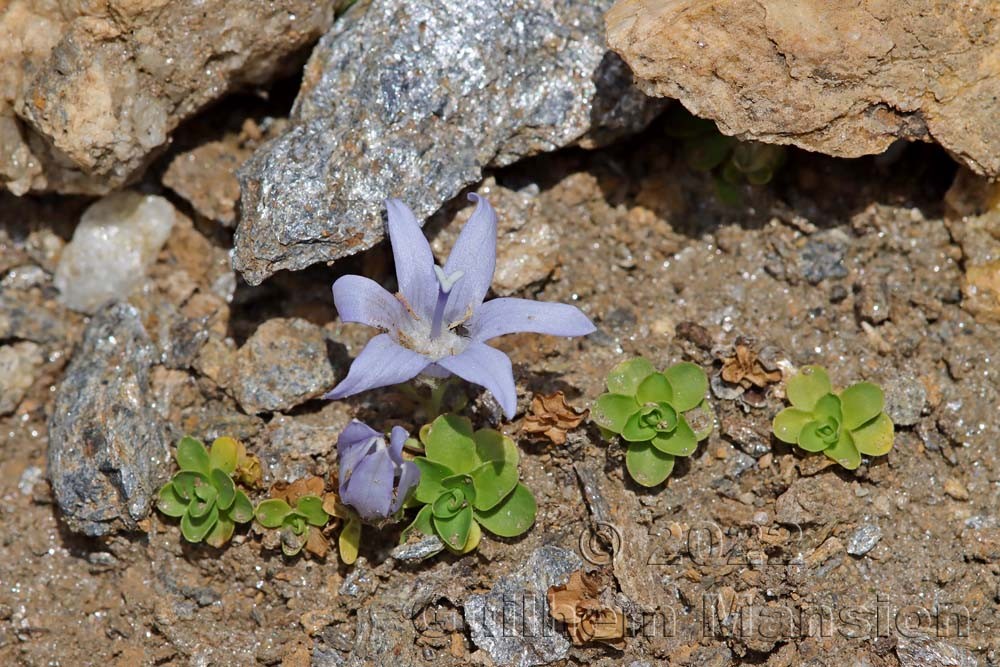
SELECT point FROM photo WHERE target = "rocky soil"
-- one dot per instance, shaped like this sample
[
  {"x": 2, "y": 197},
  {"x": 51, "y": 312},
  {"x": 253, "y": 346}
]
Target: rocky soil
[{"x": 882, "y": 268}]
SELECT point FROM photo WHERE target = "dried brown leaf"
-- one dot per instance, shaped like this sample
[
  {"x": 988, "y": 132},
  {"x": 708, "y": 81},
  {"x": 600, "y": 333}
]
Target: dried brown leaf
[
  {"x": 745, "y": 369},
  {"x": 290, "y": 493},
  {"x": 587, "y": 618},
  {"x": 551, "y": 417}
]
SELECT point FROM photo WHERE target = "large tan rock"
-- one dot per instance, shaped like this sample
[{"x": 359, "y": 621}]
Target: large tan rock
[
  {"x": 89, "y": 92},
  {"x": 845, "y": 79}
]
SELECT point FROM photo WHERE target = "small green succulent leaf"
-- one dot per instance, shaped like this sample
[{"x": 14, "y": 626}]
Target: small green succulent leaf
[
  {"x": 689, "y": 384},
  {"x": 421, "y": 524},
  {"x": 828, "y": 407},
  {"x": 170, "y": 503},
  {"x": 349, "y": 541},
  {"x": 679, "y": 442},
  {"x": 464, "y": 484},
  {"x": 449, "y": 442},
  {"x": 861, "y": 403},
  {"x": 221, "y": 533},
  {"x": 648, "y": 465},
  {"x": 203, "y": 501},
  {"x": 708, "y": 152},
  {"x": 812, "y": 439},
  {"x": 626, "y": 376},
  {"x": 874, "y": 438},
  {"x": 454, "y": 530},
  {"x": 431, "y": 474},
  {"x": 807, "y": 386},
  {"x": 296, "y": 522},
  {"x": 449, "y": 503},
  {"x": 760, "y": 176},
  {"x": 492, "y": 445},
  {"x": 223, "y": 484},
  {"x": 224, "y": 454},
  {"x": 654, "y": 389},
  {"x": 492, "y": 480},
  {"x": 272, "y": 512},
  {"x": 293, "y": 538},
  {"x": 512, "y": 516},
  {"x": 844, "y": 452},
  {"x": 611, "y": 411},
  {"x": 475, "y": 536},
  {"x": 701, "y": 420},
  {"x": 788, "y": 424},
  {"x": 311, "y": 508},
  {"x": 185, "y": 481},
  {"x": 242, "y": 509},
  {"x": 195, "y": 528},
  {"x": 637, "y": 429},
  {"x": 192, "y": 455}
]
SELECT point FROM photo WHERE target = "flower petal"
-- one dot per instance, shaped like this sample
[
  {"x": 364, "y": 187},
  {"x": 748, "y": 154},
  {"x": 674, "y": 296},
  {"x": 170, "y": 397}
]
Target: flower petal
[
  {"x": 413, "y": 258},
  {"x": 383, "y": 362},
  {"x": 409, "y": 477},
  {"x": 369, "y": 490},
  {"x": 475, "y": 255},
  {"x": 397, "y": 438},
  {"x": 508, "y": 315},
  {"x": 354, "y": 442},
  {"x": 481, "y": 364},
  {"x": 360, "y": 299}
]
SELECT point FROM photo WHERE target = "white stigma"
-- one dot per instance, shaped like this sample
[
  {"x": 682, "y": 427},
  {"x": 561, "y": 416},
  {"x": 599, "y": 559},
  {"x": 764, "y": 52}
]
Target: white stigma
[{"x": 447, "y": 282}]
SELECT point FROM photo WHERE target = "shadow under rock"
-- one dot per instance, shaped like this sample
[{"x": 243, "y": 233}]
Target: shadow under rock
[{"x": 648, "y": 169}]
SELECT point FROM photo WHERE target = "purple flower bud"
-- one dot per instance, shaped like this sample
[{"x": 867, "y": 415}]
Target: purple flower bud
[
  {"x": 438, "y": 324},
  {"x": 374, "y": 478}
]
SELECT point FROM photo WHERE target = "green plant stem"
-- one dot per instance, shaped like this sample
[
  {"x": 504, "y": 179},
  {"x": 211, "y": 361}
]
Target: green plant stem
[{"x": 430, "y": 397}]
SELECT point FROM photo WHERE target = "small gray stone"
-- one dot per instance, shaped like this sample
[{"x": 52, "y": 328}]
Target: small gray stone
[
  {"x": 413, "y": 99},
  {"x": 923, "y": 651},
  {"x": 738, "y": 463},
  {"x": 284, "y": 364},
  {"x": 864, "y": 539},
  {"x": 872, "y": 302},
  {"x": 418, "y": 551},
  {"x": 107, "y": 444},
  {"x": 905, "y": 397},
  {"x": 512, "y": 621},
  {"x": 822, "y": 257},
  {"x": 751, "y": 432}
]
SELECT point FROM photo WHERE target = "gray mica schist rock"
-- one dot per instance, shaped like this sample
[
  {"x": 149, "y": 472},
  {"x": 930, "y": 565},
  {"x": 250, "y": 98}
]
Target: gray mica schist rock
[
  {"x": 512, "y": 621},
  {"x": 413, "y": 99},
  {"x": 107, "y": 444}
]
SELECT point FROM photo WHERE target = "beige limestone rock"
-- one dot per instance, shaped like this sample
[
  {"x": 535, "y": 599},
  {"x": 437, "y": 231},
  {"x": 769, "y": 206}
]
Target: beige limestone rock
[
  {"x": 846, "y": 79},
  {"x": 90, "y": 92}
]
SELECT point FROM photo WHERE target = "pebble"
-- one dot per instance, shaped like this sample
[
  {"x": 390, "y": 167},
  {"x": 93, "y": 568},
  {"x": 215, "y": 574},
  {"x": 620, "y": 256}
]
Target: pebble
[
  {"x": 956, "y": 489},
  {"x": 905, "y": 397},
  {"x": 113, "y": 246},
  {"x": 19, "y": 364},
  {"x": 864, "y": 539},
  {"x": 822, "y": 257}
]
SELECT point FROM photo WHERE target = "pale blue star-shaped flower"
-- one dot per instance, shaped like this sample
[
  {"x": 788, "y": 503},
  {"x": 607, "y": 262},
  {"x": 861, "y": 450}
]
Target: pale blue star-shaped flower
[{"x": 438, "y": 323}]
